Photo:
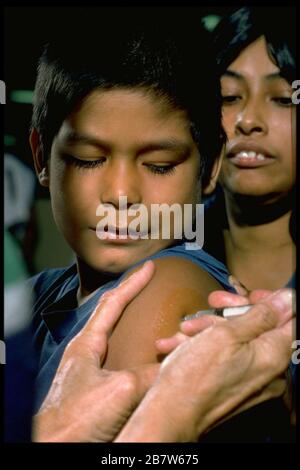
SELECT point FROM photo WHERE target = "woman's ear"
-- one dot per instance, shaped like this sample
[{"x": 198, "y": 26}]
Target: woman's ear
[
  {"x": 41, "y": 167},
  {"x": 209, "y": 188}
]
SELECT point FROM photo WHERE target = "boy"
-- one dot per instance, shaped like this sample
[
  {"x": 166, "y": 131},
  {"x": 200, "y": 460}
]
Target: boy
[{"x": 137, "y": 119}]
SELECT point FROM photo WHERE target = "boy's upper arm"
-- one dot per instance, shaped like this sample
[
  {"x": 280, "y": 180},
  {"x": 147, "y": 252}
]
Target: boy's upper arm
[{"x": 179, "y": 287}]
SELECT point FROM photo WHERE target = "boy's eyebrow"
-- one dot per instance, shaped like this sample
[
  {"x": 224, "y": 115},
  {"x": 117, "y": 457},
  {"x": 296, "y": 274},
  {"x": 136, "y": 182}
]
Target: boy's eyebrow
[
  {"x": 269, "y": 77},
  {"x": 144, "y": 147},
  {"x": 75, "y": 137},
  {"x": 172, "y": 145}
]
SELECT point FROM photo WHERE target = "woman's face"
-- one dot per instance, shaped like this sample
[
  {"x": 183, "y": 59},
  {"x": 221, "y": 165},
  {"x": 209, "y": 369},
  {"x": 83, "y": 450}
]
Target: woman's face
[{"x": 259, "y": 120}]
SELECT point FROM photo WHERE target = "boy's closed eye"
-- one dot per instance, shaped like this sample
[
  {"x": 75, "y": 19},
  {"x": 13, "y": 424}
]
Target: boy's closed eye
[
  {"x": 83, "y": 162},
  {"x": 155, "y": 168}
]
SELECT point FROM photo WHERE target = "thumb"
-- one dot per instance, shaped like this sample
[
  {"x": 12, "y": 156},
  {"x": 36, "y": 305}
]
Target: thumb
[
  {"x": 94, "y": 336},
  {"x": 272, "y": 312},
  {"x": 113, "y": 302},
  {"x": 145, "y": 376},
  {"x": 258, "y": 294},
  {"x": 221, "y": 298},
  {"x": 196, "y": 325}
]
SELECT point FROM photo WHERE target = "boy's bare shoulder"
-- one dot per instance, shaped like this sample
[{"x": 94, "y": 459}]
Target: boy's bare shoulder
[
  {"x": 178, "y": 287},
  {"x": 177, "y": 271}
]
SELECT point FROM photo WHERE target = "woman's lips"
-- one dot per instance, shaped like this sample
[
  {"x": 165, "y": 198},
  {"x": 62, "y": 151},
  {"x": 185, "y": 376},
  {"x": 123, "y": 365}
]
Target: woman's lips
[
  {"x": 250, "y": 159},
  {"x": 249, "y": 154}
]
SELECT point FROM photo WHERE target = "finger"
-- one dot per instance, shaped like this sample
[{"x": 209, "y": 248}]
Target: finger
[
  {"x": 274, "y": 350},
  {"x": 192, "y": 327},
  {"x": 125, "y": 389},
  {"x": 258, "y": 294},
  {"x": 136, "y": 382},
  {"x": 167, "y": 345},
  {"x": 112, "y": 304},
  {"x": 273, "y": 311},
  {"x": 220, "y": 298},
  {"x": 145, "y": 377},
  {"x": 93, "y": 337},
  {"x": 239, "y": 287},
  {"x": 283, "y": 337}
]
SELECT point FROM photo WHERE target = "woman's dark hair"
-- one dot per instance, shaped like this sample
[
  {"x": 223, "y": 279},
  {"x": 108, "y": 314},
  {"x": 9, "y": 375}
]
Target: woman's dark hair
[
  {"x": 232, "y": 35},
  {"x": 155, "y": 52},
  {"x": 243, "y": 26}
]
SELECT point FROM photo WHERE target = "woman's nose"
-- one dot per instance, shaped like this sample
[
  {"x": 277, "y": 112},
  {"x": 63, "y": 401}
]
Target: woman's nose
[{"x": 251, "y": 120}]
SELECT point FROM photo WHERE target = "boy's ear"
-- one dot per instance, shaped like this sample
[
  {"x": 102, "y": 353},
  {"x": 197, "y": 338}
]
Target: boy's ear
[
  {"x": 41, "y": 167},
  {"x": 208, "y": 189}
]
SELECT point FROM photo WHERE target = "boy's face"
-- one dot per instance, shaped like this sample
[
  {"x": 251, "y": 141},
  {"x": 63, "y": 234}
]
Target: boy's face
[{"x": 119, "y": 143}]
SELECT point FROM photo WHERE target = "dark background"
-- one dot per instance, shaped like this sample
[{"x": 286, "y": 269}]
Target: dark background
[{"x": 26, "y": 31}]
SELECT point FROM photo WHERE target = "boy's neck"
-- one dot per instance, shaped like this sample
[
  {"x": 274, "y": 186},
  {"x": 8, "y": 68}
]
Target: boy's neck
[{"x": 90, "y": 280}]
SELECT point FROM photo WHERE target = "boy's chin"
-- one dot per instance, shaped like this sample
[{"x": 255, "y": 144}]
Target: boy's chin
[
  {"x": 113, "y": 265},
  {"x": 117, "y": 259}
]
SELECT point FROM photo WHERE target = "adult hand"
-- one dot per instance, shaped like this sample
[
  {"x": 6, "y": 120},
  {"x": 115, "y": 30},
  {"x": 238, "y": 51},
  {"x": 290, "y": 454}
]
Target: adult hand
[
  {"x": 208, "y": 377},
  {"x": 219, "y": 299},
  {"x": 85, "y": 402}
]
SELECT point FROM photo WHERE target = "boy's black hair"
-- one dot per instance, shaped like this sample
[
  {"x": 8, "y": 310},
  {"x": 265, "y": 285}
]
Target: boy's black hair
[
  {"x": 244, "y": 25},
  {"x": 168, "y": 55}
]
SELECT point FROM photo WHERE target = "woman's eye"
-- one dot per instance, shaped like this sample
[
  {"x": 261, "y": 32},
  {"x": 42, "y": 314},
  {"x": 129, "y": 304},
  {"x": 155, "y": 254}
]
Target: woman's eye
[
  {"x": 229, "y": 99},
  {"x": 161, "y": 169},
  {"x": 82, "y": 163},
  {"x": 283, "y": 100}
]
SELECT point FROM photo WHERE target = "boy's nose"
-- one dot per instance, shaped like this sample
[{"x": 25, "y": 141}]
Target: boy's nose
[{"x": 121, "y": 180}]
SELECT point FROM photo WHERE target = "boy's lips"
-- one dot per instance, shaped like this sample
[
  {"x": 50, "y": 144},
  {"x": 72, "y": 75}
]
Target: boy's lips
[
  {"x": 113, "y": 235},
  {"x": 249, "y": 155}
]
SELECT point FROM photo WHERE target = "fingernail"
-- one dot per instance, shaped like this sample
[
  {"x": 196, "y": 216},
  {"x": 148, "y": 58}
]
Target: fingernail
[
  {"x": 192, "y": 316},
  {"x": 147, "y": 263},
  {"x": 282, "y": 299}
]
